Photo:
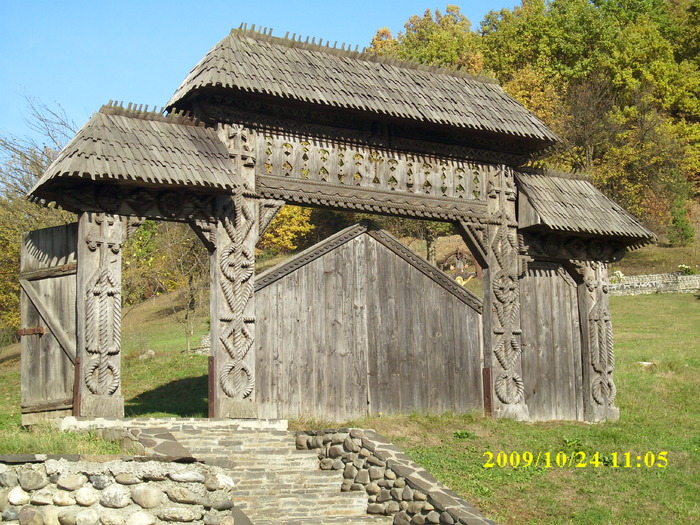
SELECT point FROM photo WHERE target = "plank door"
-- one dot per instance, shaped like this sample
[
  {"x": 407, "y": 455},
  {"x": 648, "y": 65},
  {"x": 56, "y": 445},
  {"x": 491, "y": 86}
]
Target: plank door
[
  {"x": 48, "y": 316},
  {"x": 551, "y": 343}
]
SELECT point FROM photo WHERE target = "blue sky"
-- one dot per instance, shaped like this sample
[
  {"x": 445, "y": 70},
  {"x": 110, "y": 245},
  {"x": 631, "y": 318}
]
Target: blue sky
[{"x": 80, "y": 54}]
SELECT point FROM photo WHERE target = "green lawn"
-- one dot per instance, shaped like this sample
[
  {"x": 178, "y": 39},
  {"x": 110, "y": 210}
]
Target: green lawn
[{"x": 660, "y": 411}]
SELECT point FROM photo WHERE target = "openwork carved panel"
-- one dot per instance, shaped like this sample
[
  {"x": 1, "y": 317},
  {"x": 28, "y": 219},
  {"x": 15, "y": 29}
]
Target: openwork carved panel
[
  {"x": 353, "y": 165},
  {"x": 570, "y": 247}
]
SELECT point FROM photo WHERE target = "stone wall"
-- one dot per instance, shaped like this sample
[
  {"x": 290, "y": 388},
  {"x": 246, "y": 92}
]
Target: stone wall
[
  {"x": 394, "y": 484},
  {"x": 111, "y": 490},
  {"x": 654, "y": 283}
]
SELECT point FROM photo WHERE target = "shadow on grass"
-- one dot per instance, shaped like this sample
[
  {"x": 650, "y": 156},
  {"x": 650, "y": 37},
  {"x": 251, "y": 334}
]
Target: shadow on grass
[{"x": 181, "y": 398}]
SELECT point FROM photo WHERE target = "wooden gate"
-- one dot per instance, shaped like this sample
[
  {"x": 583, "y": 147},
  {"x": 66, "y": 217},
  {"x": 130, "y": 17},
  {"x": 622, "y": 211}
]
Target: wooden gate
[
  {"x": 551, "y": 342},
  {"x": 48, "y": 332},
  {"x": 359, "y": 325}
]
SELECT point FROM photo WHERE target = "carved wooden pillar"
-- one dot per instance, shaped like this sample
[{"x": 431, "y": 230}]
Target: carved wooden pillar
[
  {"x": 598, "y": 354},
  {"x": 232, "y": 286},
  {"x": 98, "y": 384},
  {"x": 495, "y": 241}
]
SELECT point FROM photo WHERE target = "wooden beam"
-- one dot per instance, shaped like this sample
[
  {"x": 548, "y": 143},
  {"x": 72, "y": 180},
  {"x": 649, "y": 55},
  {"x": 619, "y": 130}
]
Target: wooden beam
[
  {"x": 50, "y": 320},
  {"x": 56, "y": 404},
  {"x": 53, "y": 271}
]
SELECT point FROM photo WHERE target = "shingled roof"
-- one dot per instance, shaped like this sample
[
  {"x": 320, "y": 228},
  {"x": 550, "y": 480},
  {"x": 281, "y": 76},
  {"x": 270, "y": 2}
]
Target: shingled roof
[
  {"x": 125, "y": 146},
  {"x": 567, "y": 204},
  {"x": 258, "y": 63}
]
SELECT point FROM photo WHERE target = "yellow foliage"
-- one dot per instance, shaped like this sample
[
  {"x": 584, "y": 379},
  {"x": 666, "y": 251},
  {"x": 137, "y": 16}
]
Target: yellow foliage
[{"x": 287, "y": 229}]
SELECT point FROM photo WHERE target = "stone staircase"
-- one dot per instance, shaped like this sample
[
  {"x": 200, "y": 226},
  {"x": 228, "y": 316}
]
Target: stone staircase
[{"x": 275, "y": 483}]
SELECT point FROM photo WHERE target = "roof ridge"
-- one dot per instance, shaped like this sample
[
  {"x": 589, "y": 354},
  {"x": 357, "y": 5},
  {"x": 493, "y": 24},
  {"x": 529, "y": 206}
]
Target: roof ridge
[
  {"x": 264, "y": 34},
  {"x": 550, "y": 172},
  {"x": 138, "y": 111}
]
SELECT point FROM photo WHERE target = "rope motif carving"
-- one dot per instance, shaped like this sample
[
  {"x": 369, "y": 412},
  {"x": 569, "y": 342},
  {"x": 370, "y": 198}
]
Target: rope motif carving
[
  {"x": 236, "y": 264},
  {"x": 103, "y": 317},
  {"x": 506, "y": 290}
]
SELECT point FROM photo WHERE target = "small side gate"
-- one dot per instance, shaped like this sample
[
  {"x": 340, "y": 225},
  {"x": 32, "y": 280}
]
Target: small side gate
[{"x": 48, "y": 331}]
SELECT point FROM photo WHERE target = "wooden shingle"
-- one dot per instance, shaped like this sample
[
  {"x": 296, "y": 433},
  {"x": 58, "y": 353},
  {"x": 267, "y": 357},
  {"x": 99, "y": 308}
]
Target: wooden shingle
[
  {"x": 566, "y": 204},
  {"x": 258, "y": 63},
  {"x": 136, "y": 148}
]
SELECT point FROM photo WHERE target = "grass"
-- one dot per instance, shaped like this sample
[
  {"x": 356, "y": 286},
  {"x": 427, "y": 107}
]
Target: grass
[
  {"x": 659, "y": 403},
  {"x": 658, "y": 259}
]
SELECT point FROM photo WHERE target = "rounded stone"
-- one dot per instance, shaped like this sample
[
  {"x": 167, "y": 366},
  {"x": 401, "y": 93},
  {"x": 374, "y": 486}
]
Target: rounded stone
[
  {"x": 362, "y": 477},
  {"x": 446, "y": 518},
  {"x": 125, "y": 478},
  {"x": 185, "y": 514},
  {"x": 375, "y": 508},
  {"x": 364, "y": 453},
  {"x": 302, "y": 442},
  {"x": 87, "y": 517},
  {"x": 86, "y": 496},
  {"x": 419, "y": 496},
  {"x": 227, "y": 520},
  {"x": 338, "y": 464},
  {"x": 11, "y": 513},
  {"x": 221, "y": 502},
  {"x": 433, "y": 517},
  {"x": 210, "y": 519},
  {"x": 115, "y": 497},
  {"x": 389, "y": 474},
  {"x": 71, "y": 481},
  {"x": 400, "y": 483},
  {"x": 3, "y": 499},
  {"x": 67, "y": 516},
  {"x": 428, "y": 507},
  {"x": 402, "y": 519},
  {"x": 188, "y": 476},
  {"x": 350, "y": 471},
  {"x": 63, "y": 498},
  {"x": 376, "y": 473},
  {"x": 112, "y": 519},
  {"x": 30, "y": 479},
  {"x": 218, "y": 481},
  {"x": 9, "y": 479},
  {"x": 336, "y": 451},
  {"x": 373, "y": 488},
  {"x": 31, "y": 516},
  {"x": 414, "y": 507},
  {"x": 147, "y": 496},
  {"x": 384, "y": 495},
  {"x": 327, "y": 464},
  {"x": 418, "y": 519},
  {"x": 141, "y": 518},
  {"x": 407, "y": 494},
  {"x": 392, "y": 507},
  {"x": 42, "y": 497},
  {"x": 18, "y": 497},
  {"x": 50, "y": 515},
  {"x": 345, "y": 486},
  {"x": 181, "y": 495},
  {"x": 100, "y": 481},
  {"x": 350, "y": 445},
  {"x": 403, "y": 505},
  {"x": 357, "y": 487}
]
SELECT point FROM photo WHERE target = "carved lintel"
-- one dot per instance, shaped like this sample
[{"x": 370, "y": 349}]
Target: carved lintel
[{"x": 564, "y": 247}]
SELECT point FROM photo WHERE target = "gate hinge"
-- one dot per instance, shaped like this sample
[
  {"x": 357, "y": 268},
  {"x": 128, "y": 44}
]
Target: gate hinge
[{"x": 34, "y": 330}]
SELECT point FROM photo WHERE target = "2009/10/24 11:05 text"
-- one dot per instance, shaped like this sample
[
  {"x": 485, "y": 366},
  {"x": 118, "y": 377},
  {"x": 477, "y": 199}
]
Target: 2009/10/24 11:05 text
[{"x": 578, "y": 459}]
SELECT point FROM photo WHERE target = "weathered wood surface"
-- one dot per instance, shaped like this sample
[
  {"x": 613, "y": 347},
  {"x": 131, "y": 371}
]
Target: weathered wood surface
[
  {"x": 98, "y": 306},
  {"x": 358, "y": 330},
  {"x": 48, "y": 301},
  {"x": 551, "y": 342}
]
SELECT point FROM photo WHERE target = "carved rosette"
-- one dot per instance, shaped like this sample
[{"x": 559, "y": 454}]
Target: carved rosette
[
  {"x": 237, "y": 266},
  {"x": 103, "y": 308}
]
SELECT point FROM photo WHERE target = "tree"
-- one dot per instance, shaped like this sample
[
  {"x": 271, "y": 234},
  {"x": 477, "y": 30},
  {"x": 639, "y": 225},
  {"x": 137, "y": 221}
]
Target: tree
[
  {"x": 22, "y": 161},
  {"x": 288, "y": 230}
]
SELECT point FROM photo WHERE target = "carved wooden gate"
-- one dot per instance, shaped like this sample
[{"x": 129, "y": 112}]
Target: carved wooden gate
[
  {"x": 551, "y": 340},
  {"x": 48, "y": 344}
]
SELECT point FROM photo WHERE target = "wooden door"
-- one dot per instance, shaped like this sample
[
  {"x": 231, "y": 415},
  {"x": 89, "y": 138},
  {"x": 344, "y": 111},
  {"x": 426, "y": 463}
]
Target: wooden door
[
  {"x": 551, "y": 343},
  {"x": 48, "y": 313}
]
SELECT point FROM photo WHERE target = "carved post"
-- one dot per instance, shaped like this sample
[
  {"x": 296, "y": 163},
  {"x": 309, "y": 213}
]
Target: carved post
[
  {"x": 495, "y": 243},
  {"x": 232, "y": 287},
  {"x": 99, "y": 315},
  {"x": 598, "y": 354}
]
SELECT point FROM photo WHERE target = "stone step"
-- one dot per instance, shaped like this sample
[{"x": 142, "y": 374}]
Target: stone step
[
  {"x": 355, "y": 520},
  {"x": 302, "y": 505}
]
